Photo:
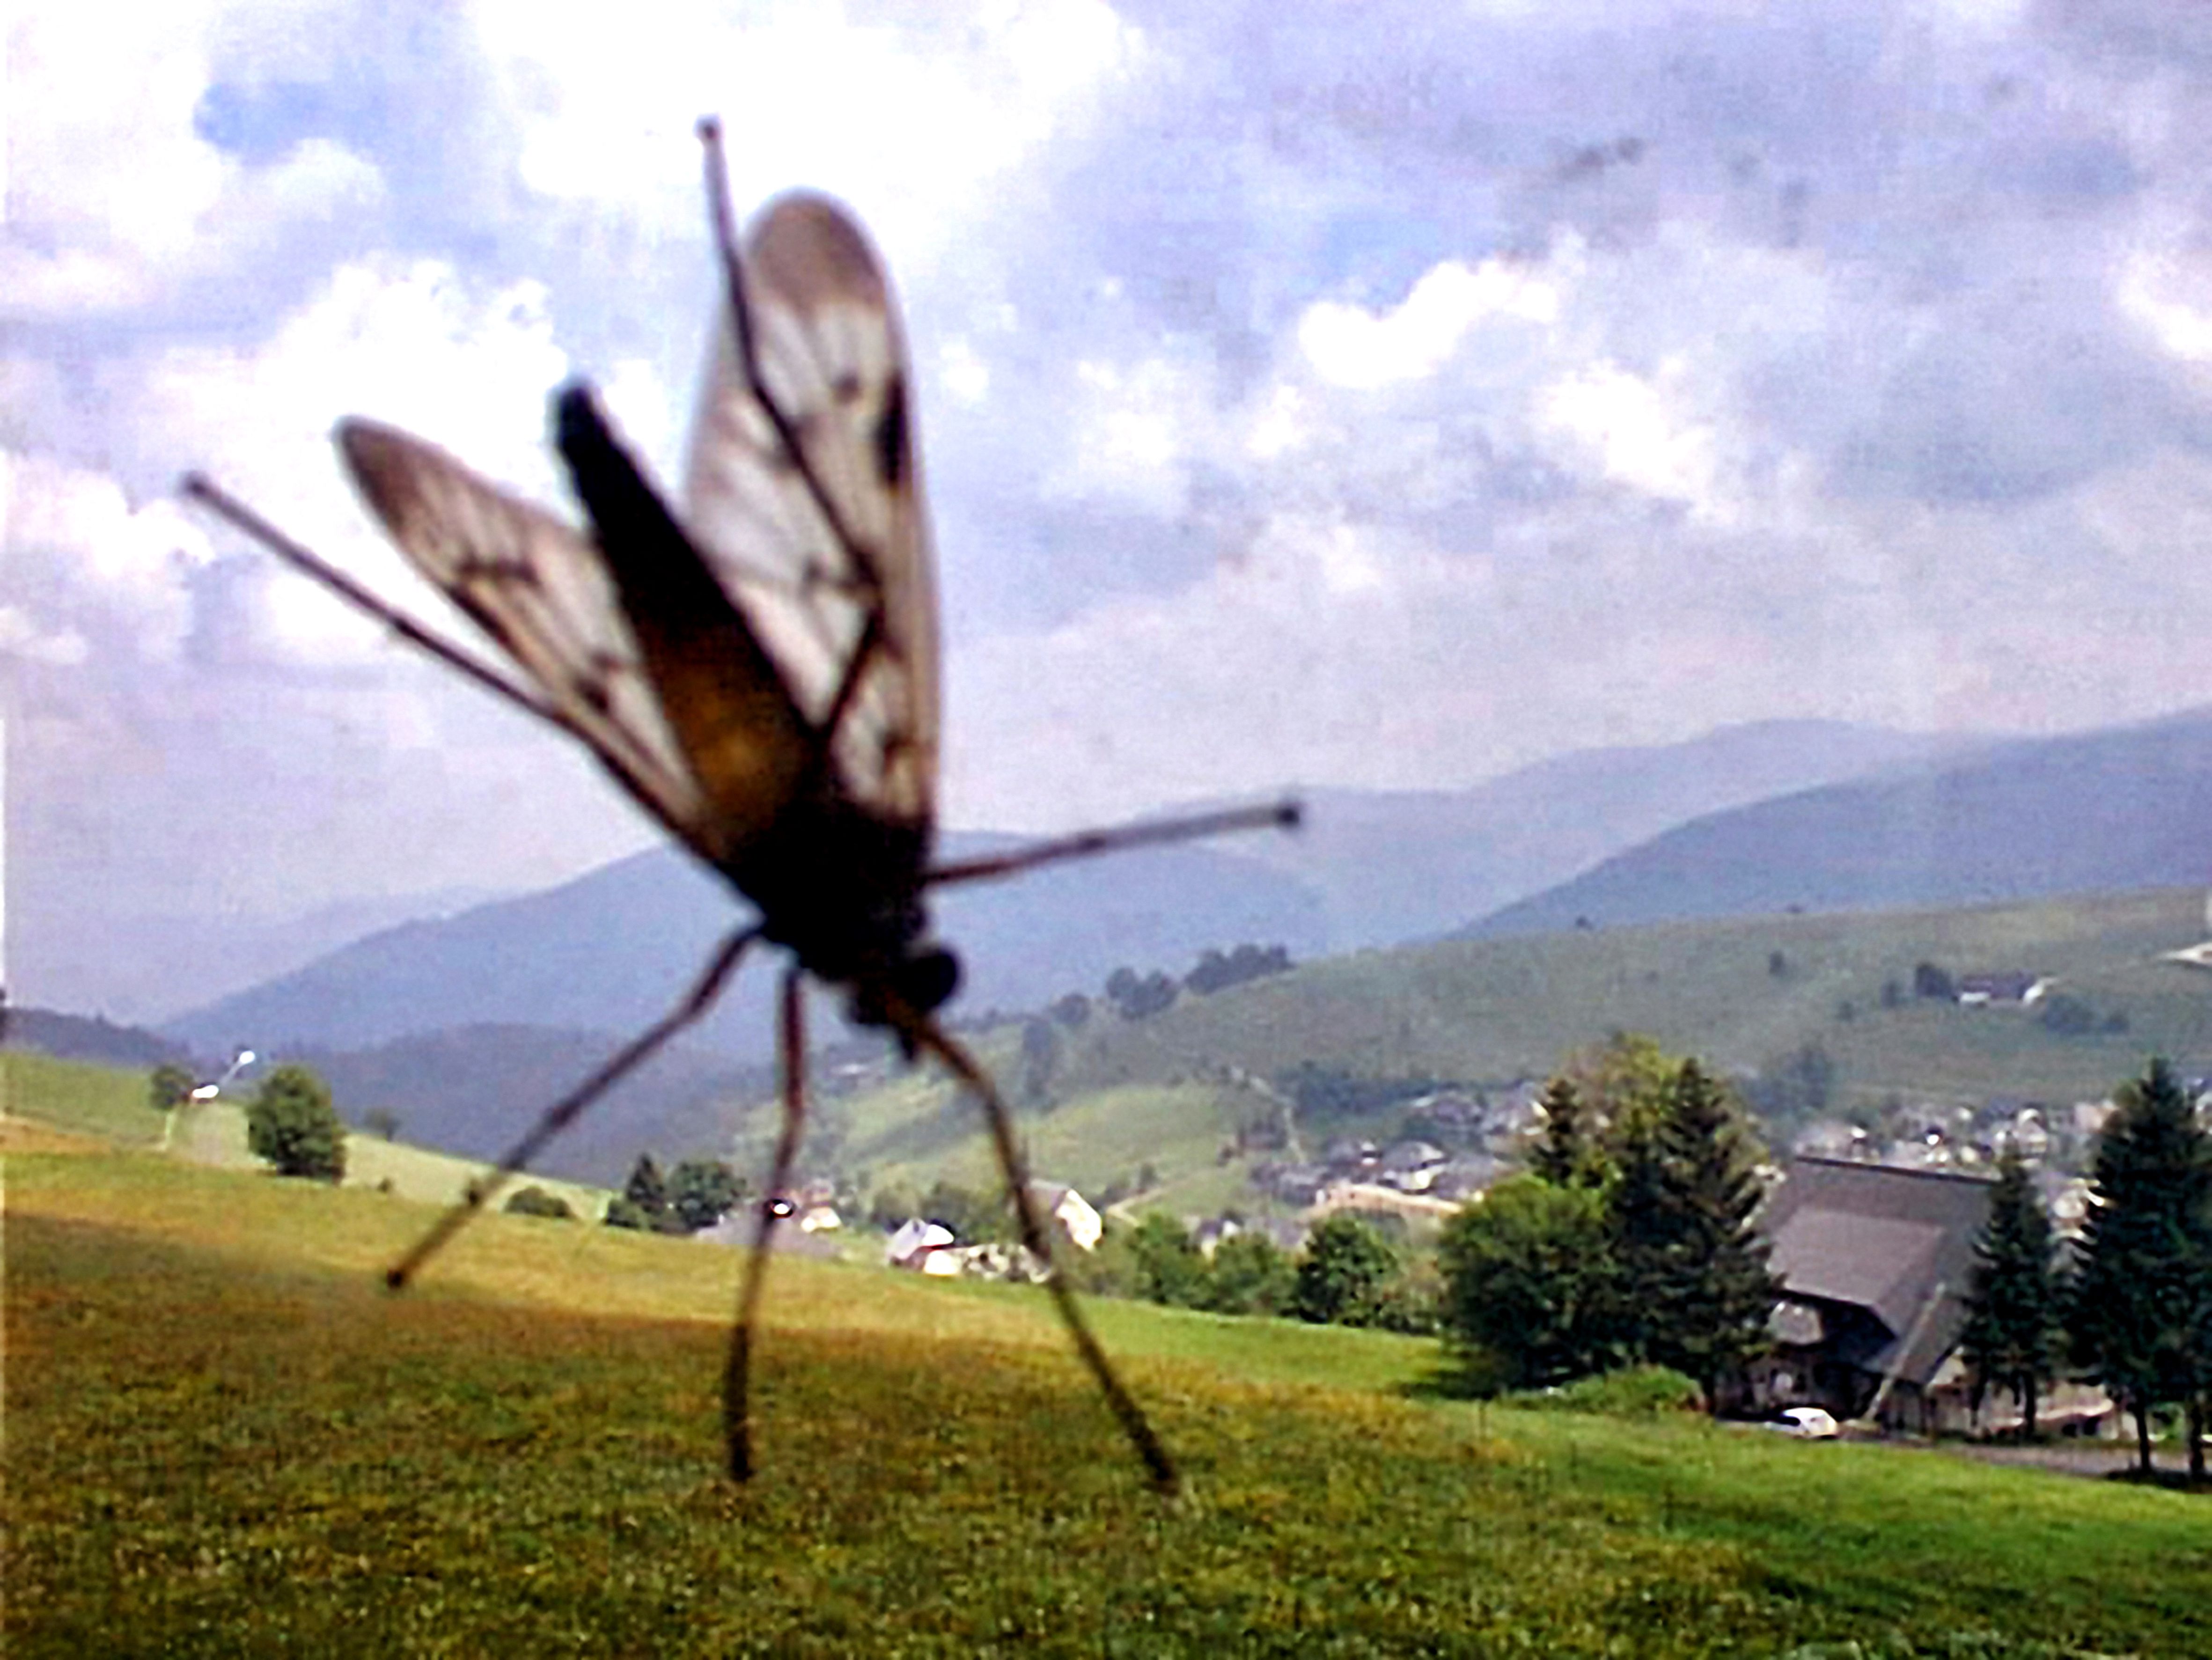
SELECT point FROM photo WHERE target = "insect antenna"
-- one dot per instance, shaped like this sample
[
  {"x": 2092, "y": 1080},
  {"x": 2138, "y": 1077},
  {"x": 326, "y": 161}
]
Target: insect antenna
[
  {"x": 199, "y": 487},
  {"x": 925, "y": 1035},
  {"x": 571, "y": 1106},
  {"x": 1279, "y": 815},
  {"x": 791, "y": 1065}
]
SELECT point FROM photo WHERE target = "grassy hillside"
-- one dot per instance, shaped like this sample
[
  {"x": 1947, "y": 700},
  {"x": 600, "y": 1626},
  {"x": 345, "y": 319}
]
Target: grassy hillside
[
  {"x": 111, "y": 1103},
  {"x": 1743, "y": 995},
  {"x": 526, "y": 1453}
]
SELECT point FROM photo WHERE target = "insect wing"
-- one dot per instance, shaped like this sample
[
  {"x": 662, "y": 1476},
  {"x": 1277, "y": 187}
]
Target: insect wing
[
  {"x": 831, "y": 559},
  {"x": 541, "y": 589}
]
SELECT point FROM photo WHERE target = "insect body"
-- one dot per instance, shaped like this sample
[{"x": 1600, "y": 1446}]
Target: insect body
[{"x": 760, "y": 674}]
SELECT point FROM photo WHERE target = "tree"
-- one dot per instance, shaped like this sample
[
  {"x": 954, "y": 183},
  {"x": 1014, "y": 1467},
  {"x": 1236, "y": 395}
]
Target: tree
[
  {"x": 1693, "y": 1275},
  {"x": 380, "y": 1122},
  {"x": 1569, "y": 1156},
  {"x": 1040, "y": 1055},
  {"x": 1249, "y": 1275},
  {"x": 169, "y": 1087},
  {"x": 974, "y": 1218},
  {"x": 701, "y": 1191},
  {"x": 1170, "y": 1269},
  {"x": 644, "y": 1202},
  {"x": 2141, "y": 1307},
  {"x": 1344, "y": 1275},
  {"x": 1929, "y": 980},
  {"x": 2013, "y": 1310},
  {"x": 292, "y": 1124},
  {"x": 1529, "y": 1284}
]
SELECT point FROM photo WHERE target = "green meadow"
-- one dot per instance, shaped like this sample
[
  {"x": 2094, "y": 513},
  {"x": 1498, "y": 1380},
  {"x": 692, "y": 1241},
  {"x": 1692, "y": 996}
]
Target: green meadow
[{"x": 222, "y": 1437}]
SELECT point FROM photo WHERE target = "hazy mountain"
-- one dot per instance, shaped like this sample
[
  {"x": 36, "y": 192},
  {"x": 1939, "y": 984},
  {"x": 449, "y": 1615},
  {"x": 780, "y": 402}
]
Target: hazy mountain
[
  {"x": 474, "y": 1090},
  {"x": 75, "y": 1038},
  {"x": 2109, "y": 810},
  {"x": 612, "y": 949},
  {"x": 1392, "y": 866}
]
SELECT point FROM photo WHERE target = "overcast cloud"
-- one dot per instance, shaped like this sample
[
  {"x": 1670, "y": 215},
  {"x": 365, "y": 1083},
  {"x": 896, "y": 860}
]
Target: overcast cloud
[{"x": 1372, "y": 395}]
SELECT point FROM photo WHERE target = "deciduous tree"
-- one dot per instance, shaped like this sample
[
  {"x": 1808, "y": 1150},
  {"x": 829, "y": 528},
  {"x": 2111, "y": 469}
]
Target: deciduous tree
[
  {"x": 1529, "y": 1294},
  {"x": 292, "y": 1124},
  {"x": 1344, "y": 1275}
]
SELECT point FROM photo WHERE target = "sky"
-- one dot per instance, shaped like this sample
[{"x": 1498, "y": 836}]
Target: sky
[{"x": 1365, "y": 395}]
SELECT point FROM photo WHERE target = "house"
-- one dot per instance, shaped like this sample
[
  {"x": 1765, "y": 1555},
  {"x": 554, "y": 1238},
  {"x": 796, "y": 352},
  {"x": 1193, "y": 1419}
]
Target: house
[
  {"x": 1077, "y": 1218},
  {"x": 916, "y": 1243},
  {"x": 1410, "y": 1166},
  {"x": 1874, "y": 1262},
  {"x": 1465, "y": 1177},
  {"x": 2015, "y": 986},
  {"x": 819, "y": 1218}
]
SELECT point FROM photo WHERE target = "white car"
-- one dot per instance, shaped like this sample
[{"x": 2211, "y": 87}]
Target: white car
[{"x": 1807, "y": 1423}]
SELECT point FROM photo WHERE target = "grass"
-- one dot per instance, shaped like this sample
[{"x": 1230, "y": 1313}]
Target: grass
[
  {"x": 221, "y": 1439},
  {"x": 1488, "y": 1011}
]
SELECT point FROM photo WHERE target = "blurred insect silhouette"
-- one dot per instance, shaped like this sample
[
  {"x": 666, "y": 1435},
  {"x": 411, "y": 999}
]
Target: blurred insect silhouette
[{"x": 760, "y": 675}]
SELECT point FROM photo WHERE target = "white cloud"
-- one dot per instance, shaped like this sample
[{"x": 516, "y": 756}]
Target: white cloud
[
  {"x": 1131, "y": 433},
  {"x": 2171, "y": 299},
  {"x": 1638, "y": 433},
  {"x": 112, "y": 197},
  {"x": 71, "y": 529},
  {"x": 903, "y": 120},
  {"x": 411, "y": 344},
  {"x": 1349, "y": 345}
]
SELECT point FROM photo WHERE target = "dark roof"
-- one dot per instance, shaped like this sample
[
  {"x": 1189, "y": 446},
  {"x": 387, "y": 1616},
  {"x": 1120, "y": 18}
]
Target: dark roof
[{"x": 1885, "y": 1239}]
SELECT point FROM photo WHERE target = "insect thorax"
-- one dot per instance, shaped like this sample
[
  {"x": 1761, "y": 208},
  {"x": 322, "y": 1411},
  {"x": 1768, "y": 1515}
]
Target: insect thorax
[{"x": 841, "y": 889}]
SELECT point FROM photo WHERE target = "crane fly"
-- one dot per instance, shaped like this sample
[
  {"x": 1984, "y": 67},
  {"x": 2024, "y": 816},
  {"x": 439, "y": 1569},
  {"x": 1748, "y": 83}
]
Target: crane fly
[{"x": 760, "y": 674}]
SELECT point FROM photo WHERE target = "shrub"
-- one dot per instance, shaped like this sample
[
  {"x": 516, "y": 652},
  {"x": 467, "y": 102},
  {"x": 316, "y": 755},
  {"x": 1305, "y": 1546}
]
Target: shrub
[
  {"x": 536, "y": 1201},
  {"x": 1631, "y": 1392}
]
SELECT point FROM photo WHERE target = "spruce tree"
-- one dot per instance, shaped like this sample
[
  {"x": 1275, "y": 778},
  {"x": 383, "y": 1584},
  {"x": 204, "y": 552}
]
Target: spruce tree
[
  {"x": 1693, "y": 1276},
  {"x": 1568, "y": 1156},
  {"x": 2142, "y": 1302},
  {"x": 2013, "y": 1325}
]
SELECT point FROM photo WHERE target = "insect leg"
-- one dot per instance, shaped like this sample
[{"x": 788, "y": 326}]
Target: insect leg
[
  {"x": 925, "y": 1034},
  {"x": 1281, "y": 815},
  {"x": 565, "y": 1111},
  {"x": 791, "y": 1062}
]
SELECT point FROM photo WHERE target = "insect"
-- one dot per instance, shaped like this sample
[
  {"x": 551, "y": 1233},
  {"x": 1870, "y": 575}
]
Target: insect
[{"x": 760, "y": 674}]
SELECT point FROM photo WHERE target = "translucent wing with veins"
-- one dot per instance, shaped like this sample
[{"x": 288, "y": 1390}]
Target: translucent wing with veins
[
  {"x": 541, "y": 589},
  {"x": 831, "y": 564}
]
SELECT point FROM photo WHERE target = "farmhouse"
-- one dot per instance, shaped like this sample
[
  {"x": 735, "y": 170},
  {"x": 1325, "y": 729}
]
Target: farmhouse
[{"x": 1874, "y": 1262}]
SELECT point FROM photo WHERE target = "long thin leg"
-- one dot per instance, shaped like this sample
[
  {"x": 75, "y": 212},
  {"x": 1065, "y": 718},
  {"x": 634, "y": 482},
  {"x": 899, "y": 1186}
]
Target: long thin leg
[
  {"x": 925, "y": 1034},
  {"x": 1279, "y": 815},
  {"x": 736, "y": 1374},
  {"x": 565, "y": 1111}
]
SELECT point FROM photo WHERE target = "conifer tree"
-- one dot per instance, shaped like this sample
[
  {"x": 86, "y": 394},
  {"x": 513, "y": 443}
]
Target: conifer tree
[
  {"x": 2141, "y": 1302},
  {"x": 1693, "y": 1276},
  {"x": 1569, "y": 1155},
  {"x": 2013, "y": 1328}
]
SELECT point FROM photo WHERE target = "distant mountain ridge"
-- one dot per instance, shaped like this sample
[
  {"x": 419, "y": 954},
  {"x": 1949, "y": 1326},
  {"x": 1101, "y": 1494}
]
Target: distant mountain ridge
[
  {"x": 2114, "y": 810},
  {"x": 1391, "y": 866},
  {"x": 609, "y": 950}
]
